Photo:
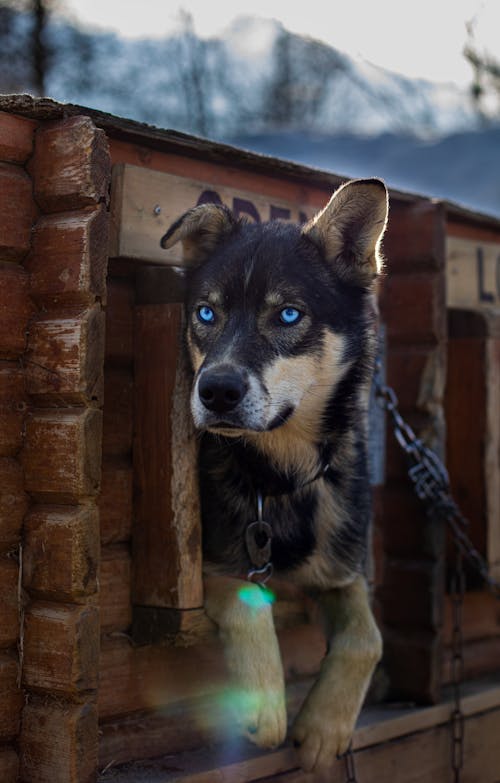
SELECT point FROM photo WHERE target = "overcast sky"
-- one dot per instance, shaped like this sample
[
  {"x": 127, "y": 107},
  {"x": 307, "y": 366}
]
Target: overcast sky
[{"x": 415, "y": 37}]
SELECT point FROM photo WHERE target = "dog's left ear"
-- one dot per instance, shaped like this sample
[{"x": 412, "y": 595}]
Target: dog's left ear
[
  {"x": 200, "y": 230},
  {"x": 348, "y": 231}
]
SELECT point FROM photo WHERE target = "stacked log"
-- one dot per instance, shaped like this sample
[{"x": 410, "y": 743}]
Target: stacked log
[
  {"x": 61, "y": 456},
  {"x": 17, "y": 212}
]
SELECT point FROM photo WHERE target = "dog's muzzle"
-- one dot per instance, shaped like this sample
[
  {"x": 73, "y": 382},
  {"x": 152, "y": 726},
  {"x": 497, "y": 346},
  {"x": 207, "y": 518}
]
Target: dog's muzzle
[{"x": 222, "y": 389}]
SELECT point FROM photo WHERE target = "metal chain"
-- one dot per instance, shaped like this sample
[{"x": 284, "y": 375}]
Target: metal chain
[
  {"x": 457, "y": 719},
  {"x": 431, "y": 482},
  {"x": 350, "y": 767},
  {"x": 432, "y": 485}
]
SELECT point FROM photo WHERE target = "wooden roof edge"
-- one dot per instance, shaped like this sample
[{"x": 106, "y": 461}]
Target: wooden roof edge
[{"x": 169, "y": 140}]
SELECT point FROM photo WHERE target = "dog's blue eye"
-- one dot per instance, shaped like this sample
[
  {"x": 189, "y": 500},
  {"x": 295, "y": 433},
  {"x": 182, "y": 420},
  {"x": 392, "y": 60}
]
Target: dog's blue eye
[
  {"x": 205, "y": 314},
  {"x": 290, "y": 315}
]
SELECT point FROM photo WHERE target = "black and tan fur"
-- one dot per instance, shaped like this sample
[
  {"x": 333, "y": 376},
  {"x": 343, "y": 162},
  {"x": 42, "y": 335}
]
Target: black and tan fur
[{"x": 277, "y": 403}]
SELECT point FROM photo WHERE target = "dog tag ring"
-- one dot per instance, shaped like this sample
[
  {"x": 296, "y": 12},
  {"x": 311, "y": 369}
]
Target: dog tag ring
[{"x": 258, "y": 542}]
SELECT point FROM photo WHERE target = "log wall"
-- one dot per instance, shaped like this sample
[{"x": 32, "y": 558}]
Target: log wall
[
  {"x": 53, "y": 258},
  {"x": 17, "y": 214}
]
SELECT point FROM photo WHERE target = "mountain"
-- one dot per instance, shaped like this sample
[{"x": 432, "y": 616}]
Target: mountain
[
  {"x": 266, "y": 89},
  {"x": 461, "y": 167}
]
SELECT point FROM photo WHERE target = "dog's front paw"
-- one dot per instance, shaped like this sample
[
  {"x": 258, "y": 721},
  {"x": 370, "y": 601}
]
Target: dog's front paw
[
  {"x": 322, "y": 731},
  {"x": 260, "y": 715}
]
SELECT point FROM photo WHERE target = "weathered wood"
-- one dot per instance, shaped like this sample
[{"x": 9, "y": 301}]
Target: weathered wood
[
  {"x": 11, "y": 698},
  {"x": 13, "y": 403},
  {"x": 419, "y": 652},
  {"x": 181, "y": 627},
  {"x": 423, "y": 221},
  {"x": 9, "y": 765},
  {"x": 146, "y": 202},
  {"x": 481, "y": 617},
  {"x": 15, "y": 309},
  {"x": 13, "y": 503},
  {"x": 71, "y": 166},
  {"x": 481, "y": 658},
  {"x": 120, "y": 321},
  {"x": 61, "y": 648},
  {"x": 65, "y": 357},
  {"x": 62, "y": 454},
  {"x": 466, "y": 391},
  {"x": 418, "y": 296},
  {"x": 115, "y": 502},
  {"x": 167, "y": 551},
  {"x": 16, "y": 138},
  {"x": 69, "y": 257},
  {"x": 472, "y": 273},
  {"x": 492, "y": 454},
  {"x": 118, "y": 413},
  {"x": 16, "y": 212},
  {"x": 9, "y": 602},
  {"x": 58, "y": 743},
  {"x": 114, "y": 589},
  {"x": 61, "y": 552}
]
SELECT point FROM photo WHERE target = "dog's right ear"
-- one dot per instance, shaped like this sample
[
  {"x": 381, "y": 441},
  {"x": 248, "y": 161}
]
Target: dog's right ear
[{"x": 200, "y": 230}]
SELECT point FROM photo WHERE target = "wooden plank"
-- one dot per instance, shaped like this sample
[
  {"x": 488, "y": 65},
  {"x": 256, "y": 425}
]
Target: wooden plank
[
  {"x": 15, "y": 309},
  {"x": 11, "y": 698},
  {"x": 120, "y": 321},
  {"x": 16, "y": 138},
  {"x": 68, "y": 261},
  {"x": 466, "y": 434},
  {"x": 71, "y": 166},
  {"x": 9, "y": 765},
  {"x": 492, "y": 454},
  {"x": 114, "y": 589},
  {"x": 480, "y": 613},
  {"x": 9, "y": 602},
  {"x": 118, "y": 413},
  {"x": 62, "y": 454},
  {"x": 65, "y": 358},
  {"x": 115, "y": 501},
  {"x": 424, "y": 221},
  {"x": 13, "y": 403},
  {"x": 16, "y": 212},
  {"x": 61, "y": 648},
  {"x": 61, "y": 552},
  {"x": 145, "y": 202},
  {"x": 167, "y": 536},
  {"x": 472, "y": 273},
  {"x": 388, "y": 738},
  {"x": 58, "y": 742},
  {"x": 13, "y": 503}
]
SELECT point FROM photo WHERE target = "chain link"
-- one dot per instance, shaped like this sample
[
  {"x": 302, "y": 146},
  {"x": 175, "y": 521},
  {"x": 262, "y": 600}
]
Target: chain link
[
  {"x": 457, "y": 720},
  {"x": 432, "y": 485},
  {"x": 431, "y": 482},
  {"x": 350, "y": 767}
]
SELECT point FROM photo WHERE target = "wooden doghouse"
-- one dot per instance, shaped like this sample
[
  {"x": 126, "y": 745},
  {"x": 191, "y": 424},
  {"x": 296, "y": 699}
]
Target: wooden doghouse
[{"x": 106, "y": 656}]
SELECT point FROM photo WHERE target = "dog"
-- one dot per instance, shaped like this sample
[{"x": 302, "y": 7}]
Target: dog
[{"x": 281, "y": 332}]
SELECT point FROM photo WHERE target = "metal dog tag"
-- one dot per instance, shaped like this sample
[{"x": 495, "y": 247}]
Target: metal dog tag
[{"x": 258, "y": 542}]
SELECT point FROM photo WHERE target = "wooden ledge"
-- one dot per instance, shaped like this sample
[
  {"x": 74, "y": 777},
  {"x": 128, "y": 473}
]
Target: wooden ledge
[{"x": 386, "y": 735}]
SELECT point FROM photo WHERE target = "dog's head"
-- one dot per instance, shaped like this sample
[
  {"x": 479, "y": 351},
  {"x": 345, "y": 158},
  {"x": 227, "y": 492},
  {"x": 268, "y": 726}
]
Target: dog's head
[{"x": 274, "y": 310}]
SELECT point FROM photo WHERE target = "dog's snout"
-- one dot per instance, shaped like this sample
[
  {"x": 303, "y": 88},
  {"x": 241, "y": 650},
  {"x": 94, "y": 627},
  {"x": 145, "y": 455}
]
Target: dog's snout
[{"x": 221, "y": 390}]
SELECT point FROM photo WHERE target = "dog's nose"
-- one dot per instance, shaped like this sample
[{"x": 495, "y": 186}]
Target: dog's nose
[{"x": 221, "y": 390}]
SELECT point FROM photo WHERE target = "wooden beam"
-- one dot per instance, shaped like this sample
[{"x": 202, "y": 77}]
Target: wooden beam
[
  {"x": 16, "y": 212},
  {"x": 61, "y": 552},
  {"x": 61, "y": 649},
  {"x": 58, "y": 742},
  {"x": 167, "y": 536},
  {"x": 68, "y": 260},
  {"x": 71, "y": 167}
]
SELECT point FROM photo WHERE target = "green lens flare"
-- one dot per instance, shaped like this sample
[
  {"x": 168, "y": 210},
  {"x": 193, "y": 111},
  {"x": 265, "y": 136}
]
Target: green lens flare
[{"x": 256, "y": 598}]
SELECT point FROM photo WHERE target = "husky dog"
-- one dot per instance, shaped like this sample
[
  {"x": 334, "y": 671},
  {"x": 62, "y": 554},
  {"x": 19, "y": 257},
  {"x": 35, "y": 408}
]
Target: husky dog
[{"x": 281, "y": 325}]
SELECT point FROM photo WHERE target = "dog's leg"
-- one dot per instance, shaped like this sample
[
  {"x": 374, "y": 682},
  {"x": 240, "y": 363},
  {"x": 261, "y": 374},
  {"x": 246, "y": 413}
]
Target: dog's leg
[
  {"x": 245, "y": 621},
  {"x": 326, "y": 721}
]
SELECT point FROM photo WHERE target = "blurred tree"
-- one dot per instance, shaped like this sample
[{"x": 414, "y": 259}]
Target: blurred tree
[
  {"x": 25, "y": 53},
  {"x": 485, "y": 87},
  {"x": 193, "y": 74}
]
